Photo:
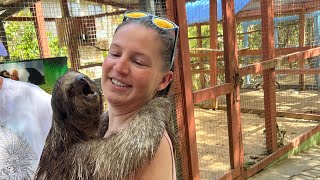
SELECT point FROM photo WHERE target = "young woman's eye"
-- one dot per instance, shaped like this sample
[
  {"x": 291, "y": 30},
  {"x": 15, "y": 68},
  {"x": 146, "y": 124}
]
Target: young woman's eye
[
  {"x": 114, "y": 54},
  {"x": 138, "y": 62}
]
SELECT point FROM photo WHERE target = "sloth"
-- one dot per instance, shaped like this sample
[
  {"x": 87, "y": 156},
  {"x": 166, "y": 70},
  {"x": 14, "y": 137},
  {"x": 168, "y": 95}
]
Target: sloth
[
  {"x": 77, "y": 112},
  {"x": 76, "y": 147}
]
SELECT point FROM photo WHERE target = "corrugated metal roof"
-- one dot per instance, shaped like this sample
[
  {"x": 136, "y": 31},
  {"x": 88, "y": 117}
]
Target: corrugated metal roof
[
  {"x": 255, "y": 4},
  {"x": 198, "y": 11}
]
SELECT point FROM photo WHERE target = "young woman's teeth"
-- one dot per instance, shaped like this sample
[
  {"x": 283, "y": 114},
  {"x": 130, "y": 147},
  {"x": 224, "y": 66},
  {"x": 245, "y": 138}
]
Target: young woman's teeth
[{"x": 118, "y": 83}]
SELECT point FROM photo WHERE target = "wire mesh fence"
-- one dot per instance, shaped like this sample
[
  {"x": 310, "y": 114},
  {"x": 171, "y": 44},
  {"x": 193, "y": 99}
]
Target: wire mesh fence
[
  {"x": 81, "y": 31},
  {"x": 212, "y": 142},
  {"x": 290, "y": 92},
  {"x": 281, "y": 93}
]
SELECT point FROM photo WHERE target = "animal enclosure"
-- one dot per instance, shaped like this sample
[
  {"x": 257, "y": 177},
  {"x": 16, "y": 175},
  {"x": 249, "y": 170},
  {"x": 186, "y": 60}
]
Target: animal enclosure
[
  {"x": 246, "y": 85},
  {"x": 271, "y": 81}
]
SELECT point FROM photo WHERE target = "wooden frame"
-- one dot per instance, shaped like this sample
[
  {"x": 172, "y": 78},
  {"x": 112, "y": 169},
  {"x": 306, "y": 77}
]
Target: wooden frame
[
  {"x": 176, "y": 11},
  {"x": 233, "y": 98}
]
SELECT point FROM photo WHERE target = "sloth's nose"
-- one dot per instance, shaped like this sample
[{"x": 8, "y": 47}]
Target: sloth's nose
[{"x": 81, "y": 78}]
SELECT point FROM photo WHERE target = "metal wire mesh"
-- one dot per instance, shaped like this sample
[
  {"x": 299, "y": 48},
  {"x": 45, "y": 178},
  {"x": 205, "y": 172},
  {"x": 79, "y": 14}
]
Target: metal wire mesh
[
  {"x": 295, "y": 94},
  {"x": 212, "y": 142},
  {"x": 199, "y": 43},
  {"x": 211, "y": 125},
  {"x": 82, "y": 31}
]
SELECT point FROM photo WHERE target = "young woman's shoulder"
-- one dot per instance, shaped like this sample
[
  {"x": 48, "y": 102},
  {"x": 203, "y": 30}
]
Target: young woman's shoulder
[{"x": 162, "y": 165}]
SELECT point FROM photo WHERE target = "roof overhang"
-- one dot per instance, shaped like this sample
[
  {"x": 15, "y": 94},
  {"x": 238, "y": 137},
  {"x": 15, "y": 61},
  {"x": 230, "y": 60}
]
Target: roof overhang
[{"x": 10, "y": 7}]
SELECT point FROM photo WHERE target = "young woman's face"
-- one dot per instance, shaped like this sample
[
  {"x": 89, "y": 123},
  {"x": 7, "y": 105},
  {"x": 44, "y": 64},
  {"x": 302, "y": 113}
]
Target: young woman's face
[{"x": 132, "y": 72}]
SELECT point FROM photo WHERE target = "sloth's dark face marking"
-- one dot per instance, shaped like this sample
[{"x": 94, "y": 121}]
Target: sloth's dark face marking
[
  {"x": 83, "y": 88},
  {"x": 77, "y": 101}
]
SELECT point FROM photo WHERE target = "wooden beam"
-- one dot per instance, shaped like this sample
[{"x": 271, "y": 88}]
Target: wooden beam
[
  {"x": 302, "y": 25},
  {"x": 21, "y": 19},
  {"x": 73, "y": 43},
  {"x": 182, "y": 158},
  {"x": 233, "y": 98},
  {"x": 187, "y": 90},
  {"x": 268, "y": 52},
  {"x": 53, "y": 19},
  {"x": 303, "y": 55},
  {"x": 205, "y": 52},
  {"x": 91, "y": 65},
  {"x": 117, "y": 4},
  {"x": 198, "y": 37},
  {"x": 204, "y": 23},
  {"x": 212, "y": 92},
  {"x": 16, "y": 7},
  {"x": 231, "y": 174},
  {"x": 39, "y": 24},
  {"x": 299, "y": 71},
  {"x": 219, "y": 71},
  {"x": 201, "y": 64},
  {"x": 199, "y": 40},
  {"x": 64, "y": 8},
  {"x": 206, "y": 49},
  {"x": 176, "y": 12},
  {"x": 304, "y": 116},
  {"x": 272, "y": 63}
]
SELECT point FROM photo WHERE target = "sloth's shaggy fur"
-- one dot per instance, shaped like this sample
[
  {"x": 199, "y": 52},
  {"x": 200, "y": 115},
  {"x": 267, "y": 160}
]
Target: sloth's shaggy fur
[
  {"x": 120, "y": 155},
  {"x": 75, "y": 147},
  {"x": 77, "y": 109}
]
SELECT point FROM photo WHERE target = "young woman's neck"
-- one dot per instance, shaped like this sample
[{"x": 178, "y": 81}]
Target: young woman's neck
[{"x": 118, "y": 119}]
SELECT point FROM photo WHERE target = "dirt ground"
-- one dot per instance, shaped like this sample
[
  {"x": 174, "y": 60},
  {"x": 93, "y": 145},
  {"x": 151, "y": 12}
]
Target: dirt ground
[{"x": 212, "y": 133}]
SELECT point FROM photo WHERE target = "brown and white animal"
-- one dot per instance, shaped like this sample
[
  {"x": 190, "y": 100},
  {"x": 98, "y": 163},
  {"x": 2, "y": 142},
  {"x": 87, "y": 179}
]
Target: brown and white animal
[
  {"x": 118, "y": 156},
  {"x": 77, "y": 108}
]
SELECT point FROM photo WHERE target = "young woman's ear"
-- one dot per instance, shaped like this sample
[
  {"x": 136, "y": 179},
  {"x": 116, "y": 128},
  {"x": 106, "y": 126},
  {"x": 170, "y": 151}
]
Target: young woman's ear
[{"x": 166, "y": 80}]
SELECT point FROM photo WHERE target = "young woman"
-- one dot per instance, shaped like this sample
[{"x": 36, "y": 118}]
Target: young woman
[
  {"x": 136, "y": 74},
  {"x": 137, "y": 70}
]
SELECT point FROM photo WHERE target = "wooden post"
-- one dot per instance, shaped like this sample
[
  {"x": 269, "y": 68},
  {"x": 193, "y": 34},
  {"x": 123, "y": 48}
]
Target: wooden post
[
  {"x": 182, "y": 152},
  {"x": 73, "y": 43},
  {"x": 301, "y": 44},
  {"x": 232, "y": 76},
  {"x": 213, "y": 23},
  {"x": 39, "y": 24},
  {"x": 201, "y": 64},
  {"x": 268, "y": 52},
  {"x": 177, "y": 13},
  {"x": 316, "y": 35}
]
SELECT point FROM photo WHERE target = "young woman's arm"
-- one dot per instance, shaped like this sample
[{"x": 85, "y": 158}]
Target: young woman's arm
[{"x": 162, "y": 165}]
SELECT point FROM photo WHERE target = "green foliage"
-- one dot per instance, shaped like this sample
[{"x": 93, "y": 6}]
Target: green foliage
[
  {"x": 309, "y": 37},
  {"x": 288, "y": 34},
  {"x": 55, "y": 50},
  {"x": 23, "y": 43},
  {"x": 22, "y": 40},
  {"x": 205, "y": 32},
  {"x": 205, "y": 43},
  {"x": 255, "y": 37}
]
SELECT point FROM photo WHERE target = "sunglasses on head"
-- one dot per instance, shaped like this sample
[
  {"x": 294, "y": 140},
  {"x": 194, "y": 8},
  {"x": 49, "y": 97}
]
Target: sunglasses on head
[{"x": 160, "y": 22}]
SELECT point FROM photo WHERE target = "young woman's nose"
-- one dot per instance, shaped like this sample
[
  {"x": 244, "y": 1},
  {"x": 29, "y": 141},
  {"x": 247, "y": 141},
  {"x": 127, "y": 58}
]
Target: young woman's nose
[{"x": 121, "y": 65}]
